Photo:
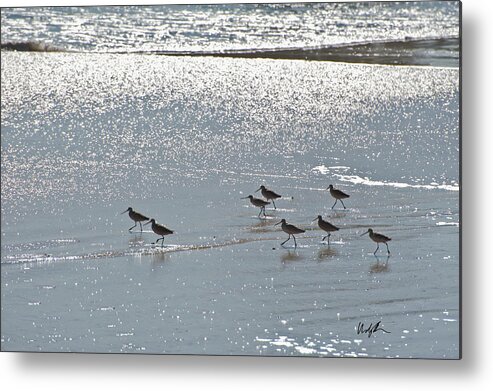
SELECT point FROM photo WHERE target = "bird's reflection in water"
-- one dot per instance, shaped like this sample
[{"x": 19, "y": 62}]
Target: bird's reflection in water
[
  {"x": 159, "y": 257},
  {"x": 136, "y": 241},
  {"x": 326, "y": 252},
  {"x": 290, "y": 256},
  {"x": 338, "y": 214},
  {"x": 380, "y": 267},
  {"x": 261, "y": 226}
]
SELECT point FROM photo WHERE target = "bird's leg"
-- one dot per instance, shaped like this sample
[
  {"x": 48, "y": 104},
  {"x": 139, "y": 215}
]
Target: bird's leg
[
  {"x": 140, "y": 226},
  {"x": 388, "y": 251},
  {"x": 324, "y": 237},
  {"x": 334, "y": 204},
  {"x": 130, "y": 229},
  {"x": 289, "y": 237},
  {"x": 343, "y": 204},
  {"x": 295, "y": 245},
  {"x": 328, "y": 239},
  {"x": 263, "y": 208},
  {"x": 274, "y": 204},
  {"x": 162, "y": 241},
  {"x": 378, "y": 245},
  {"x": 259, "y": 213}
]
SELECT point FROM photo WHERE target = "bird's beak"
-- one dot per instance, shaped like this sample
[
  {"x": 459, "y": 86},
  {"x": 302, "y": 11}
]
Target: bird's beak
[
  {"x": 257, "y": 189},
  {"x": 125, "y": 211},
  {"x": 278, "y": 223},
  {"x": 316, "y": 218},
  {"x": 364, "y": 233},
  {"x": 149, "y": 222},
  {"x": 327, "y": 188},
  {"x": 244, "y": 198}
]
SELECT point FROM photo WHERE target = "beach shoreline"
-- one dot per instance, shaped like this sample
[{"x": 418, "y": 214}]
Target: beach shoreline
[{"x": 440, "y": 52}]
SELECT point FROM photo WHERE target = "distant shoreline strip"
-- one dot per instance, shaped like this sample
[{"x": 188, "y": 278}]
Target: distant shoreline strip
[
  {"x": 31, "y": 46},
  {"x": 427, "y": 52}
]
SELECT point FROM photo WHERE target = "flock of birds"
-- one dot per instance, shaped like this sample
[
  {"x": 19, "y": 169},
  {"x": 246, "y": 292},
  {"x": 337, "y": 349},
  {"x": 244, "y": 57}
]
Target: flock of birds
[{"x": 290, "y": 229}]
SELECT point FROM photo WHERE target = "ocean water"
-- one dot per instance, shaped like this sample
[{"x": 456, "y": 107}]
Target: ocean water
[
  {"x": 96, "y": 128},
  {"x": 216, "y": 27}
]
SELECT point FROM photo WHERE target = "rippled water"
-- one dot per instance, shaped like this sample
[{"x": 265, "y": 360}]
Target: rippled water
[
  {"x": 219, "y": 27},
  {"x": 182, "y": 139},
  {"x": 110, "y": 120}
]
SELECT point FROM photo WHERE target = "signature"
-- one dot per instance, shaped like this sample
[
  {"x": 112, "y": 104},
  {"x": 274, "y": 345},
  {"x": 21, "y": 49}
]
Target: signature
[{"x": 372, "y": 328}]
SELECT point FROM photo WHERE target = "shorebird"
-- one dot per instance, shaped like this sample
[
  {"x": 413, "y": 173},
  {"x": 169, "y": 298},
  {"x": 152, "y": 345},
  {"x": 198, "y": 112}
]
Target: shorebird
[
  {"x": 290, "y": 230},
  {"x": 338, "y": 195},
  {"x": 380, "y": 267},
  {"x": 378, "y": 238},
  {"x": 269, "y": 194},
  {"x": 136, "y": 217},
  {"x": 159, "y": 230},
  {"x": 326, "y": 226},
  {"x": 257, "y": 202}
]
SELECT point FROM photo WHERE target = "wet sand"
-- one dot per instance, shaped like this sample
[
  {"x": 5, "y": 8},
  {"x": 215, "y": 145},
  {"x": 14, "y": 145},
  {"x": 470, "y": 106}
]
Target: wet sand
[
  {"x": 441, "y": 52},
  {"x": 182, "y": 139}
]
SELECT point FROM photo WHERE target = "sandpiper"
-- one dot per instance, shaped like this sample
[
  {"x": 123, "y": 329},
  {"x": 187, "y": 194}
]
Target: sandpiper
[
  {"x": 338, "y": 195},
  {"x": 257, "y": 202},
  {"x": 326, "y": 226},
  {"x": 159, "y": 230},
  {"x": 291, "y": 230},
  {"x": 378, "y": 238},
  {"x": 136, "y": 217},
  {"x": 269, "y": 194}
]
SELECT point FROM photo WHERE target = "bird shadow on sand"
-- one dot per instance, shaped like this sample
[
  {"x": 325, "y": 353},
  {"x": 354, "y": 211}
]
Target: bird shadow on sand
[
  {"x": 263, "y": 226},
  {"x": 326, "y": 252},
  {"x": 290, "y": 256},
  {"x": 337, "y": 214},
  {"x": 260, "y": 218},
  {"x": 139, "y": 232},
  {"x": 380, "y": 267},
  {"x": 136, "y": 241},
  {"x": 160, "y": 257}
]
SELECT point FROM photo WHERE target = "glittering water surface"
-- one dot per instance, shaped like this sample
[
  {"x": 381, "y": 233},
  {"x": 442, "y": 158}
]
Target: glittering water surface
[
  {"x": 226, "y": 26},
  {"x": 72, "y": 123}
]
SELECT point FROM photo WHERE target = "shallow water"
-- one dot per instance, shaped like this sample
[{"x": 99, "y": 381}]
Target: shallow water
[{"x": 182, "y": 140}]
